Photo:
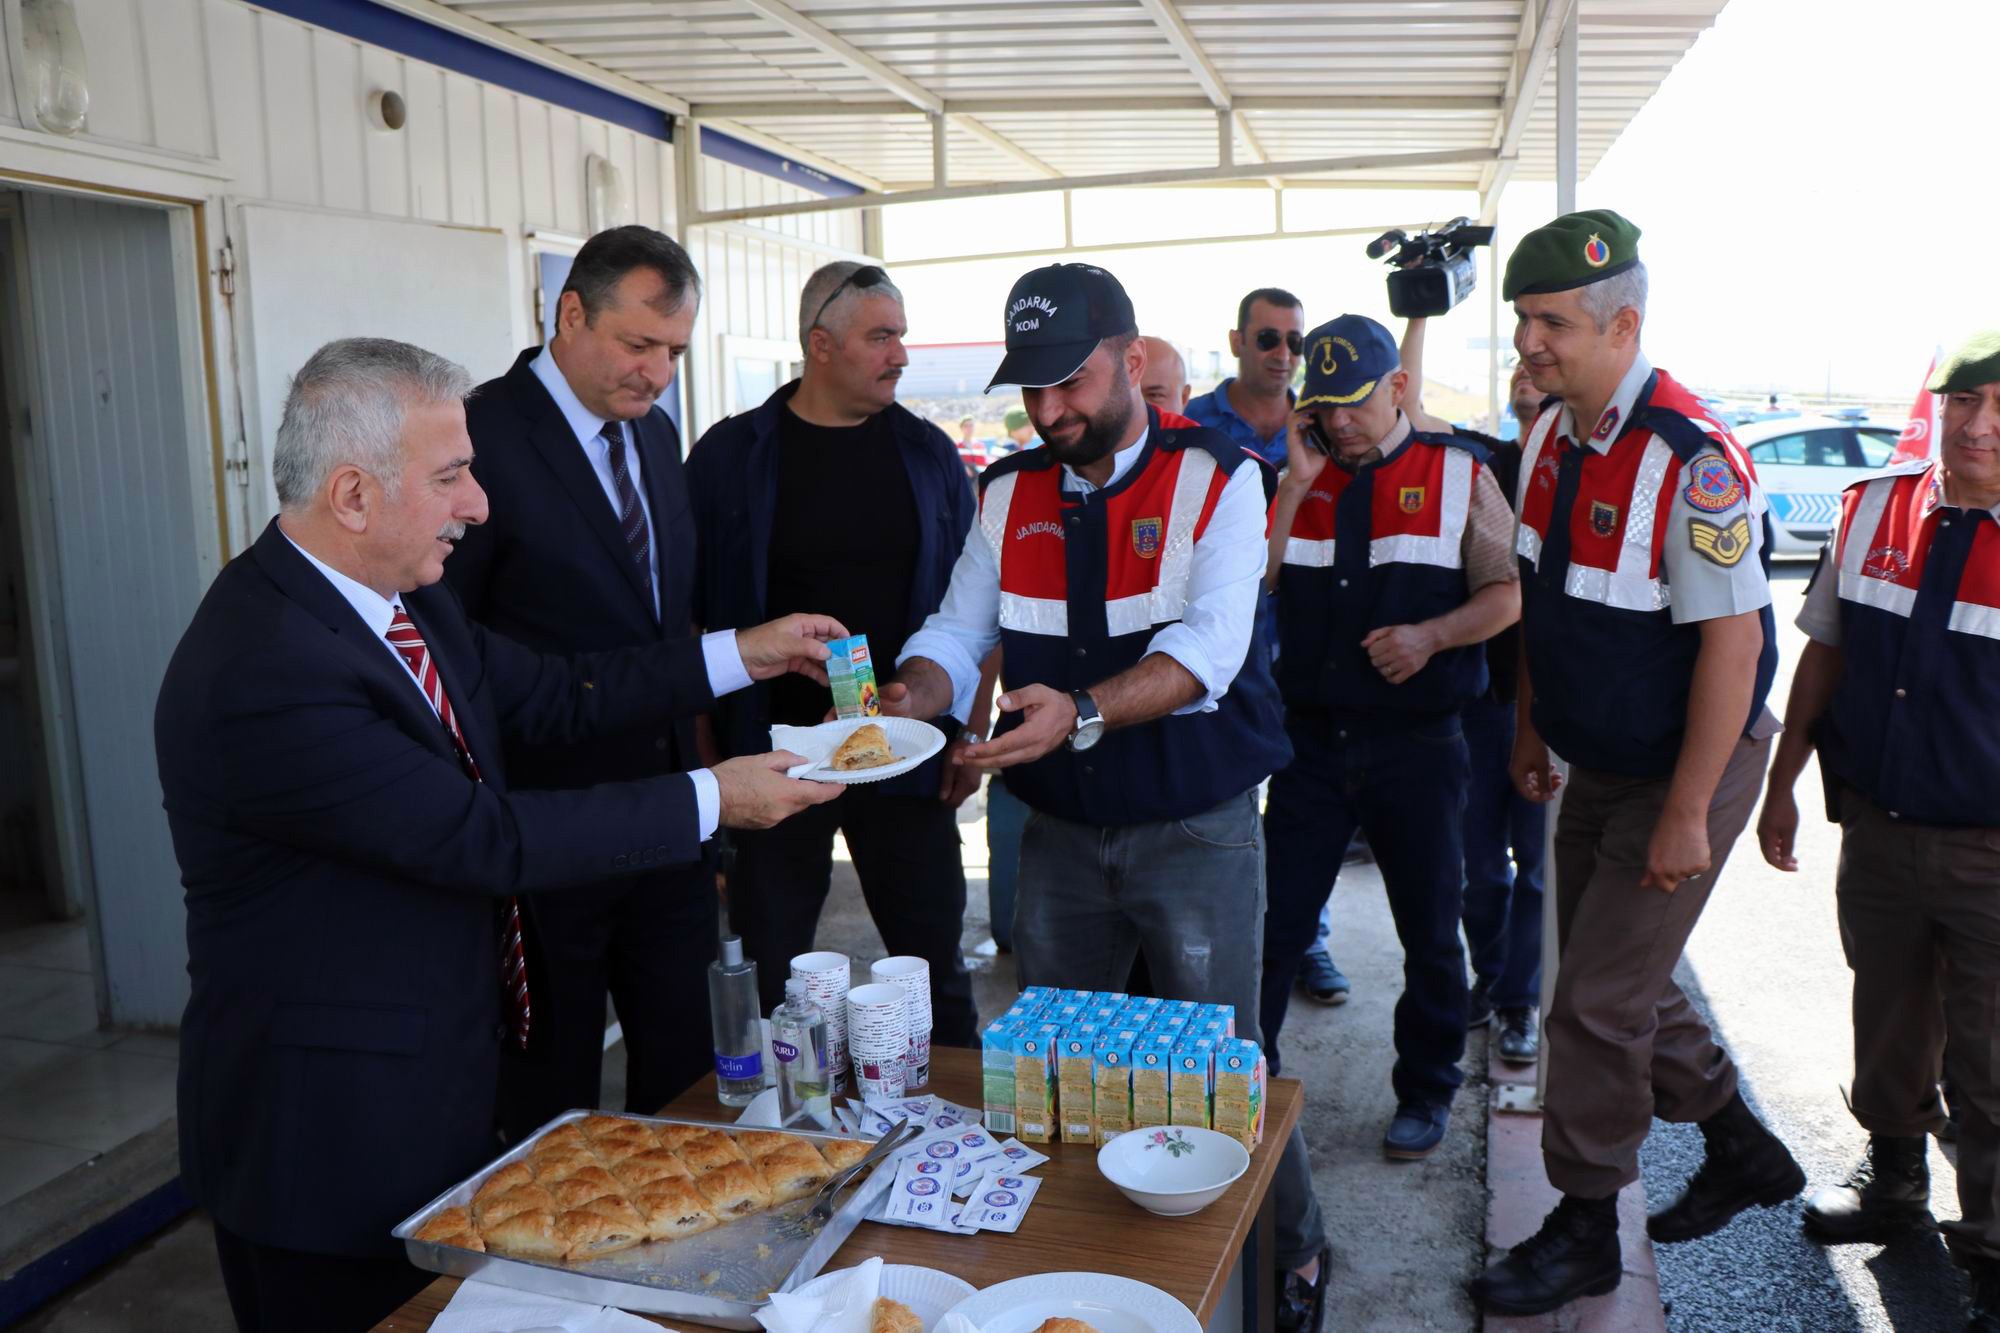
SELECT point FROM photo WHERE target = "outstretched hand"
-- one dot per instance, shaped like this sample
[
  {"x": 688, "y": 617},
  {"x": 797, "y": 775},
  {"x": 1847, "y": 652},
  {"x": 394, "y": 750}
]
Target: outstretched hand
[
  {"x": 794, "y": 643},
  {"x": 1047, "y": 718}
]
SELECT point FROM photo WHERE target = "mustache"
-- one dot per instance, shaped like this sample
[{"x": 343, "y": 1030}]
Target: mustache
[{"x": 451, "y": 532}]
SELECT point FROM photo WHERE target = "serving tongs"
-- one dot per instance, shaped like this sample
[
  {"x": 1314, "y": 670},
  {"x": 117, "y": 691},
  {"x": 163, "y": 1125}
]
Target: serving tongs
[{"x": 827, "y": 1198}]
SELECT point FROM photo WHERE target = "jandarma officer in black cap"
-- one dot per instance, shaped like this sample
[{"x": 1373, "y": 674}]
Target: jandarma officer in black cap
[
  {"x": 1647, "y": 650},
  {"x": 1898, "y": 689},
  {"x": 1391, "y": 551},
  {"x": 1117, "y": 566}
]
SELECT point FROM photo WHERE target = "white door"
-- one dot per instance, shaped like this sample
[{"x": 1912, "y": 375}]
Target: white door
[{"x": 108, "y": 451}]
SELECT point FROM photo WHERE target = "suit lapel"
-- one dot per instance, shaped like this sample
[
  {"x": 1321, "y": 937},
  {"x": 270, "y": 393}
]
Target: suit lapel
[
  {"x": 557, "y": 444},
  {"x": 311, "y": 591}
]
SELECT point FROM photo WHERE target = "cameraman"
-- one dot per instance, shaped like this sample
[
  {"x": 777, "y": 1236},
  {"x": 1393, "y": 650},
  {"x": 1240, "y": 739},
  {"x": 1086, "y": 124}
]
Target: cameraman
[
  {"x": 1505, "y": 833},
  {"x": 1381, "y": 629}
]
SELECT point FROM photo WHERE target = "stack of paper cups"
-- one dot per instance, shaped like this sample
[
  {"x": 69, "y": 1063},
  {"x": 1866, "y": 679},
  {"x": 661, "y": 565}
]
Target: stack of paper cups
[
  {"x": 914, "y": 976},
  {"x": 878, "y": 1039},
  {"x": 825, "y": 975}
]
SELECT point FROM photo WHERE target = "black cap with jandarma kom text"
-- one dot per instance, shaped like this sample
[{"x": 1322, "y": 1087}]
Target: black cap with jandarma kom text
[{"x": 1055, "y": 317}]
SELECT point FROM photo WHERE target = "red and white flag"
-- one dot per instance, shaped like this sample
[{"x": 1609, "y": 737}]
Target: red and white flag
[{"x": 1919, "y": 436}]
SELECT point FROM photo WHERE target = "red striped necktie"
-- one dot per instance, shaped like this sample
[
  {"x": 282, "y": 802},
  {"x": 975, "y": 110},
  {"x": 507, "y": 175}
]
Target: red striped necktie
[{"x": 409, "y": 644}]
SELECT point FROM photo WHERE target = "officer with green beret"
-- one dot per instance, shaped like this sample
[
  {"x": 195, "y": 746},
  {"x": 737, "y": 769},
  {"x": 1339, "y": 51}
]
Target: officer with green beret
[
  {"x": 1898, "y": 689},
  {"x": 1647, "y": 649}
]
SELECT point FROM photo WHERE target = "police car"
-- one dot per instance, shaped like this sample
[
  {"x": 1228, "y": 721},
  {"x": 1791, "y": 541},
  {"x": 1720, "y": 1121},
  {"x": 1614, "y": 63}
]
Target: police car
[{"x": 1804, "y": 463}]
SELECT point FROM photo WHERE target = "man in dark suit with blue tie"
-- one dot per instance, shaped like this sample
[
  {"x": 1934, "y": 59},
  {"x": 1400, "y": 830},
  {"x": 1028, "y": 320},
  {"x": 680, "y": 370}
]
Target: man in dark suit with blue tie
[
  {"x": 332, "y": 736},
  {"x": 590, "y": 548}
]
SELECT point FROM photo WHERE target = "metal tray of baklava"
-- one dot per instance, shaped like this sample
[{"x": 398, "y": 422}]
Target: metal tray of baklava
[{"x": 722, "y": 1276}]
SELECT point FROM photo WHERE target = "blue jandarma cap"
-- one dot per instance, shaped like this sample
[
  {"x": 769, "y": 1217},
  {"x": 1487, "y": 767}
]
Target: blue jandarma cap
[{"x": 1345, "y": 359}]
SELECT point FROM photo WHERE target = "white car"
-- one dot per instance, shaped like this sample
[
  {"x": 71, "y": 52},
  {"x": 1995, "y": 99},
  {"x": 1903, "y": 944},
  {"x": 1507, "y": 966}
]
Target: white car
[{"x": 1804, "y": 463}]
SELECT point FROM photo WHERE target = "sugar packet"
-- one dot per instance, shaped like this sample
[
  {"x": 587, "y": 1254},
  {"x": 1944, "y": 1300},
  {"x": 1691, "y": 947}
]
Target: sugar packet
[
  {"x": 1015, "y": 1158},
  {"x": 1000, "y": 1202},
  {"x": 921, "y": 1195},
  {"x": 950, "y": 1115},
  {"x": 906, "y": 1108}
]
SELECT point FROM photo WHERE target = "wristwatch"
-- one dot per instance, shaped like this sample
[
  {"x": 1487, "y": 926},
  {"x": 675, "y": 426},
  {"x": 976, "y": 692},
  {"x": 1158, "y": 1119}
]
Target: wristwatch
[
  {"x": 1089, "y": 723},
  {"x": 968, "y": 736}
]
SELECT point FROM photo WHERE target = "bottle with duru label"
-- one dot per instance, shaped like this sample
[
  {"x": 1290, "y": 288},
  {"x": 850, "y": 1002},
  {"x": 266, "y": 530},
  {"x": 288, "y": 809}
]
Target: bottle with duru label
[
  {"x": 798, "y": 1044},
  {"x": 738, "y": 1029}
]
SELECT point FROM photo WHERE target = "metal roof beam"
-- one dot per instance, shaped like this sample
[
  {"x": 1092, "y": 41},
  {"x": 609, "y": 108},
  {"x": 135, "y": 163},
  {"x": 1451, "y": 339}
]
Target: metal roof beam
[
  {"x": 1180, "y": 176},
  {"x": 1181, "y": 37},
  {"x": 821, "y": 108},
  {"x": 1524, "y": 85}
]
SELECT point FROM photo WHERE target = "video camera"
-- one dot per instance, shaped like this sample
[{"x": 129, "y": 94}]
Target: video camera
[{"x": 1435, "y": 269}]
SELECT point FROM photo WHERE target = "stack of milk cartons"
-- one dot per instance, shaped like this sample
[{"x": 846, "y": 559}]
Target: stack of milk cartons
[{"x": 1083, "y": 1067}]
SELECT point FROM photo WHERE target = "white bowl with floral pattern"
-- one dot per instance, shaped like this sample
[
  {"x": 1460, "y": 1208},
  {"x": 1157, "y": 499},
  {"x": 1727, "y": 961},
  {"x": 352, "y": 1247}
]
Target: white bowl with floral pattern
[{"x": 1173, "y": 1170}]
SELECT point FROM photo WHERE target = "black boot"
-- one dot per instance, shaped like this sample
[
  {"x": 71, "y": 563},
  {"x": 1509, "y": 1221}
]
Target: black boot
[
  {"x": 1891, "y": 1187},
  {"x": 1745, "y": 1165},
  {"x": 1984, "y": 1317},
  {"x": 1574, "y": 1254}
]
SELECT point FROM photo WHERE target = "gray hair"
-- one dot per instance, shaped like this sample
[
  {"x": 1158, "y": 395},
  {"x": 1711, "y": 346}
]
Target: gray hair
[
  {"x": 346, "y": 408},
  {"x": 1603, "y": 300},
  {"x": 825, "y": 289}
]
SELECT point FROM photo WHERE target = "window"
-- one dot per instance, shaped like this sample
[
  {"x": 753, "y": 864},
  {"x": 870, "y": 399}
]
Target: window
[
  {"x": 1874, "y": 447},
  {"x": 1782, "y": 449}
]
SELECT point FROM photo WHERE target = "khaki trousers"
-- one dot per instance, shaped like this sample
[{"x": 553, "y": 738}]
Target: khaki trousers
[
  {"x": 1623, "y": 1042},
  {"x": 1920, "y": 923}
]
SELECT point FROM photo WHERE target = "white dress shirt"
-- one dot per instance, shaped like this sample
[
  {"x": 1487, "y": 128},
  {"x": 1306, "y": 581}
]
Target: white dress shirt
[
  {"x": 1211, "y": 639},
  {"x": 726, "y": 671},
  {"x": 588, "y": 428}
]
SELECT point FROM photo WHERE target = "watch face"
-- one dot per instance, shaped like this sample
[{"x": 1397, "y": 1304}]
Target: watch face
[{"x": 1087, "y": 734}]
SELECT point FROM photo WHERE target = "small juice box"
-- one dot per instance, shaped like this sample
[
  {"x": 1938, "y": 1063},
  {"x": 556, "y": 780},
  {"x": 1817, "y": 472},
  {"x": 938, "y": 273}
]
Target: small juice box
[
  {"x": 1114, "y": 1083},
  {"x": 1152, "y": 1067},
  {"x": 1034, "y": 1050},
  {"x": 851, "y": 673},
  {"x": 1040, "y": 994},
  {"x": 996, "y": 1073},
  {"x": 1076, "y": 1071},
  {"x": 1225, "y": 1013},
  {"x": 1116, "y": 999},
  {"x": 1240, "y": 1076},
  {"x": 1079, "y": 998},
  {"x": 1174, "y": 1025},
  {"x": 1187, "y": 1007},
  {"x": 1193, "y": 1083}
]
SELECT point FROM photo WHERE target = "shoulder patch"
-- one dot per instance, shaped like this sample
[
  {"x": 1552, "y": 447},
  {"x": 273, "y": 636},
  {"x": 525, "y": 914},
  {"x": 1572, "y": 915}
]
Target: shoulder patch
[
  {"x": 1712, "y": 484},
  {"x": 1719, "y": 545}
]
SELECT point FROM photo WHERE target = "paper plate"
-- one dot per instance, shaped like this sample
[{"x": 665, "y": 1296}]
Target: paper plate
[
  {"x": 1108, "y": 1304},
  {"x": 913, "y": 741},
  {"x": 926, "y": 1291}
]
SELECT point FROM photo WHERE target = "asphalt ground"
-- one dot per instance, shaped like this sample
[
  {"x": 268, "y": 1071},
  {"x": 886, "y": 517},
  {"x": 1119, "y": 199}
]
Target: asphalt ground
[{"x": 1765, "y": 966}]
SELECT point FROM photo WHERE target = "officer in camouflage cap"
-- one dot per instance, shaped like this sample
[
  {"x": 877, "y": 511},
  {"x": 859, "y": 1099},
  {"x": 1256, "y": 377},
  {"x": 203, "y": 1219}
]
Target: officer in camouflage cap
[
  {"x": 1898, "y": 688},
  {"x": 1647, "y": 650}
]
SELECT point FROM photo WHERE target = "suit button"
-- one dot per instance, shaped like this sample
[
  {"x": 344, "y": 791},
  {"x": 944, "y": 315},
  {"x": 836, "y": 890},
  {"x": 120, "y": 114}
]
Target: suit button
[
  {"x": 1343, "y": 583},
  {"x": 1083, "y": 652},
  {"x": 1895, "y": 814},
  {"x": 1089, "y": 771},
  {"x": 1901, "y": 694},
  {"x": 659, "y": 742}
]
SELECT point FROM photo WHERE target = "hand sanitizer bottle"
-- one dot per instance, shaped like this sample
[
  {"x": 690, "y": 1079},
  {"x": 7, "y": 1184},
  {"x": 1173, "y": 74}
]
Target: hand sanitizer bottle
[
  {"x": 739, "y": 1032},
  {"x": 798, "y": 1042}
]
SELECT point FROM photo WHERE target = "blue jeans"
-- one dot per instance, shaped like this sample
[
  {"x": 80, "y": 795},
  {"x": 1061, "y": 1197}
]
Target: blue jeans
[
  {"x": 1406, "y": 788},
  {"x": 1004, "y": 817},
  {"x": 1503, "y": 893}
]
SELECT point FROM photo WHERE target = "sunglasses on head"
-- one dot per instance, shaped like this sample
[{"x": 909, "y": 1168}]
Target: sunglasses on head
[
  {"x": 869, "y": 275},
  {"x": 1268, "y": 340}
]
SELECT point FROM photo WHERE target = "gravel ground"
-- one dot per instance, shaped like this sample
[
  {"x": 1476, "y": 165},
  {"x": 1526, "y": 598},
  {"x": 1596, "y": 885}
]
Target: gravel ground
[{"x": 1765, "y": 966}]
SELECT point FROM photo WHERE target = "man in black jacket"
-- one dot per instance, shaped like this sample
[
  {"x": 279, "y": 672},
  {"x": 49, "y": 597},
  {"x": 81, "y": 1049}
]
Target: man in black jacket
[
  {"x": 591, "y": 548},
  {"x": 831, "y": 493},
  {"x": 330, "y": 739}
]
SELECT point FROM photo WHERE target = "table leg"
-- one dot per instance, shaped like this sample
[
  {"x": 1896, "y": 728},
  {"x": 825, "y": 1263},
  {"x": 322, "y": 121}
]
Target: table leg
[{"x": 1260, "y": 1247}]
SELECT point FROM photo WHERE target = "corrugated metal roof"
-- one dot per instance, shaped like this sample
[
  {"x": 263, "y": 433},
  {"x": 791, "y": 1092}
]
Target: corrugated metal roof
[{"x": 1035, "y": 88}]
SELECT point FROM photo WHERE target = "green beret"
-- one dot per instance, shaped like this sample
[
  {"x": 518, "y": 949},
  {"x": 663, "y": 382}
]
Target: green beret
[
  {"x": 1575, "y": 250},
  {"x": 1017, "y": 417},
  {"x": 1974, "y": 364}
]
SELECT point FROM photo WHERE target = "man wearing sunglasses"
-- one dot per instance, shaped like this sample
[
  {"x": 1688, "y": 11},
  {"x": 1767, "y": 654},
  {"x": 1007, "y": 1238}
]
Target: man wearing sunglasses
[
  {"x": 831, "y": 491},
  {"x": 1254, "y": 406}
]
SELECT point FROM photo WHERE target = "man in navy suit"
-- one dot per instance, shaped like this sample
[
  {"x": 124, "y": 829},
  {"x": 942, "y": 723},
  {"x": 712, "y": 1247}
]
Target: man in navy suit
[
  {"x": 591, "y": 548},
  {"x": 330, "y": 739}
]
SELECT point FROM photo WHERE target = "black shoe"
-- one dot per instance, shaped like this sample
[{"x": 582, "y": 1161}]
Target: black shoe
[
  {"x": 1520, "y": 1036},
  {"x": 1416, "y": 1132},
  {"x": 1478, "y": 1005},
  {"x": 1302, "y": 1304},
  {"x": 1323, "y": 981},
  {"x": 1745, "y": 1165},
  {"x": 1984, "y": 1316},
  {"x": 1890, "y": 1188},
  {"x": 1574, "y": 1254}
]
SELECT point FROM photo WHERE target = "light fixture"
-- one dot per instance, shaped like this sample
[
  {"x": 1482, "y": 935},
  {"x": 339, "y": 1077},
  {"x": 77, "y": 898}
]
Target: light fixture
[
  {"x": 387, "y": 111},
  {"x": 58, "y": 82}
]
